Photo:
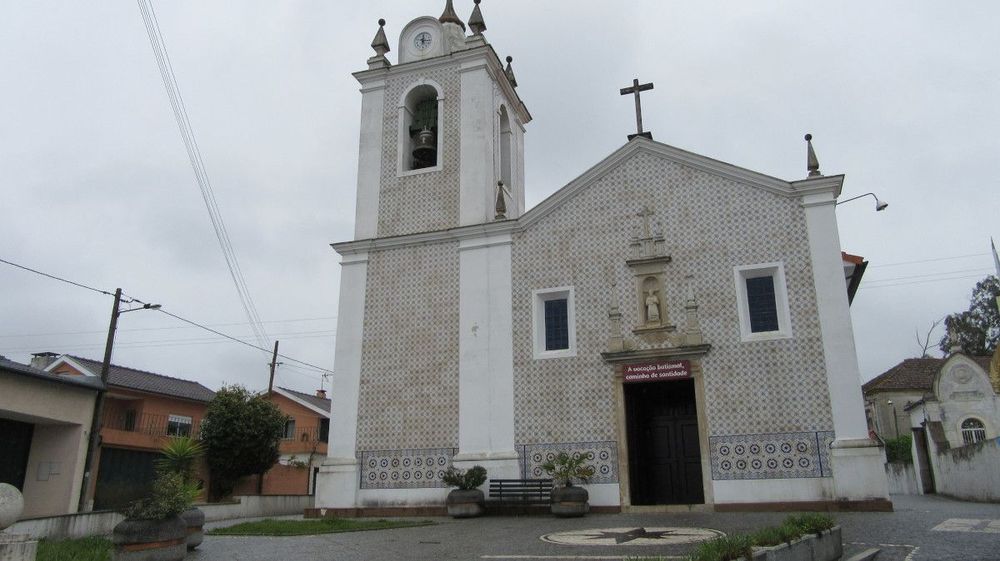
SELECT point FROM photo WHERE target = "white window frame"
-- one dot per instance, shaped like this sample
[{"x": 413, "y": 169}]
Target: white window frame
[
  {"x": 538, "y": 299},
  {"x": 775, "y": 270},
  {"x": 403, "y": 138},
  {"x": 180, "y": 420},
  {"x": 973, "y": 433}
]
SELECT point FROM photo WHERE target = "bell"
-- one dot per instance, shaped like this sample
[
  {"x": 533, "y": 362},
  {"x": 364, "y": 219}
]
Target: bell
[{"x": 425, "y": 150}]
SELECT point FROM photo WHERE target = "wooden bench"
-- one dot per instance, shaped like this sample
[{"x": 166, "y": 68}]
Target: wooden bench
[{"x": 520, "y": 492}]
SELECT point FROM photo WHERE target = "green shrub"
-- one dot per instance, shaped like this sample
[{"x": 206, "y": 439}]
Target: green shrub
[
  {"x": 899, "y": 449},
  {"x": 171, "y": 496},
  {"x": 723, "y": 548},
  {"x": 465, "y": 480},
  {"x": 810, "y": 523},
  {"x": 768, "y": 537},
  {"x": 86, "y": 549},
  {"x": 564, "y": 468}
]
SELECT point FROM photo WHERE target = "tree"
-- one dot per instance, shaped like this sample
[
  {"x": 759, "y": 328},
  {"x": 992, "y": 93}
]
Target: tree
[
  {"x": 241, "y": 433},
  {"x": 977, "y": 330}
]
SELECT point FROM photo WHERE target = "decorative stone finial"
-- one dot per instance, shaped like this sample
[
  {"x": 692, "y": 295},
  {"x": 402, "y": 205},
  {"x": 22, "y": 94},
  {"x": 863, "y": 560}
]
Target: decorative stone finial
[
  {"x": 449, "y": 16},
  {"x": 501, "y": 205},
  {"x": 509, "y": 71},
  {"x": 380, "y": 43},
  {"x": 11, "y": 505},
  {"x": 812, "y": 163},
  {"x": 476, "y": 22}
]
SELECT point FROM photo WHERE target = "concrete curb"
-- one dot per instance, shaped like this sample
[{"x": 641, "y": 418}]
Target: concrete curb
[{"x": 866, "y": 555}]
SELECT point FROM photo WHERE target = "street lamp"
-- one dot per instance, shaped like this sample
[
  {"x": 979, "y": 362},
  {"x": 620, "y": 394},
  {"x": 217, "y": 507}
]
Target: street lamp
[
  {"x": 95, "y": 423},
  {"x": 879, "y": 204}
]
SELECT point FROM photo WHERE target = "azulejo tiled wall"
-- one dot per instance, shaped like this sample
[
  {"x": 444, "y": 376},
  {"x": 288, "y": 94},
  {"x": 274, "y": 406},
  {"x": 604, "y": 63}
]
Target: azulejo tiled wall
[
  {"x": 711, "y": 224},
  {"x": 424, "y": 201},
  {"x": 603, "y": 457},
  {"x": 409, "y": 359},
  {"x": 787, "y": 455},
  {"x": 404, "y": 469}
]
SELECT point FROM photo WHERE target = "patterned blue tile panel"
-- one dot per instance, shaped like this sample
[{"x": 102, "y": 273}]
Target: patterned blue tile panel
[
  {"x": 604, "y": 458},
  {"x": 787, "y": 455},
  {"x": 404, "y": 469}
]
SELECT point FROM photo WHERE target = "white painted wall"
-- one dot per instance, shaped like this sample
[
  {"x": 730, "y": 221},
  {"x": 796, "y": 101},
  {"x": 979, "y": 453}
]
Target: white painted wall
[
  {"x": 971, "y": 472},
  {"x": 337, "y": 482},
  {"x": 477, "y": 180},
  {"x": 486, "y": 364},
  {"x": 773, "y": 490},
  {"x": 369, "y": 159},
  {"x": 902, "y": 479}
]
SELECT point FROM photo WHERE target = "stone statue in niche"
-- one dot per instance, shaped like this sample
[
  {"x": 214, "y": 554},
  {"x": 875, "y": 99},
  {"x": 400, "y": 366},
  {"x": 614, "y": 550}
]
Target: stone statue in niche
[{"x": 652, "y": 307}]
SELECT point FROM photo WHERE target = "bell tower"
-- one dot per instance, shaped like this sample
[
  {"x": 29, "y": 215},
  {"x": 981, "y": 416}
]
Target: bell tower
[{"x": 442, "y": 130}]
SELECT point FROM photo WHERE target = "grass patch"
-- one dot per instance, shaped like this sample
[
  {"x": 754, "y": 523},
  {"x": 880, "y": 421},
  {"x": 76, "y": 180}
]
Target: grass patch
[
  {"x": 723, "y": 548},
  {"x": 272, "y": 527},
  {"x": 86, "y": 549},
  {"x": 811, "y": 523},
  {"x": 736, "y": 546}
]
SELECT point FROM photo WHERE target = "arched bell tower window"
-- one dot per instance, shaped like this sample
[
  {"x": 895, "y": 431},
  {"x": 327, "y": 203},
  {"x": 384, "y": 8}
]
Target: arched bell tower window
[
  {"x": 506, "y": 141},
  {"x": 420, "y": 129}
]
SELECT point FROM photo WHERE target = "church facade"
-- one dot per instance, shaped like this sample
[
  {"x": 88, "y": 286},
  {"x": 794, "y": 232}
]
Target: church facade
[{"x": 682, "y": 321}]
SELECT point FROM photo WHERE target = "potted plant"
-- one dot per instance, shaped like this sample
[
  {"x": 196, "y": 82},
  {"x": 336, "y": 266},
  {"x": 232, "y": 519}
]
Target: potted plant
[
  {"x": 569, "y": 501},
  {"x": 180, "y": 455},
  {"x": 467, "y": 500},
  {"x": 153, "y": 529}
]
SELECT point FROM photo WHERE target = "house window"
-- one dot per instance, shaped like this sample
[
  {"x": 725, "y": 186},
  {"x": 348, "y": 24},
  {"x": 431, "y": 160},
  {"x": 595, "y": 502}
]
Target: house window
[
  {"x": 420, "y": 129},
  {"x": 973, "y": 431},
  {"x": 324, "y": 430},
  {"x": 178, "y": 425},
  {"x": 554, "y": 328},
  {"x": 762, "y": 298},
  {"x": 290, "y": 429}
]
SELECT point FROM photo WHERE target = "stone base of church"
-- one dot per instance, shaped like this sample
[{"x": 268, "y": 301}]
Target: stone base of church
[
  {"x": 873, "y": 505},
  {"x": 337, "y": 483},
  {"x": 859, "y": 472}
]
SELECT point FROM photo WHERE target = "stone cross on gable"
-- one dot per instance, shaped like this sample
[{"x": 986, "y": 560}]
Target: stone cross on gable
[
  {"x": 635, "y": 89},
  {"x": 650, "y": 244}
]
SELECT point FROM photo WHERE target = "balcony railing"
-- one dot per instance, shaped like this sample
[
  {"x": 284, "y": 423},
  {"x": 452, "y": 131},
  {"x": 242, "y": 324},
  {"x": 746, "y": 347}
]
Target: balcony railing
[
  {"x": 311, "y": 434},
  {"x": 152, "y": 425}
]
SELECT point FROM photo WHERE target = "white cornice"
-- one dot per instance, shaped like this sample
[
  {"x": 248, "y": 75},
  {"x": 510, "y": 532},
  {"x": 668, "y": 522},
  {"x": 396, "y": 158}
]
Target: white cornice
[
  {"x": 73, "y": 364},
  {"x": 811, "y": 190},
  {"x": 493, "y": 66}
]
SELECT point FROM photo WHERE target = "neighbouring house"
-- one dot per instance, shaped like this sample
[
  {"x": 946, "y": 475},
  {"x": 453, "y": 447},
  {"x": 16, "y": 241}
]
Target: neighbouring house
[
  {"x": 44, "y": 432},
  {"x": 303, "y": 447},
  {"x": 888, "y": 395},
  {"x": 141, "y": 410},
  {"x": 680, "y": 320},
  {"x": 955, "y": 426}
]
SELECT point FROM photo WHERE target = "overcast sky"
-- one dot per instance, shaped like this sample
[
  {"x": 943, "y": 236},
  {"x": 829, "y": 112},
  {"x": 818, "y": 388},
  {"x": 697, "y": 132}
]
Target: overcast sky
[{"x": 95, "y": 184}]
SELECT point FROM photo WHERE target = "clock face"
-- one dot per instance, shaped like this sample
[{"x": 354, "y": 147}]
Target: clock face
[{"x": 423, "y": 41}]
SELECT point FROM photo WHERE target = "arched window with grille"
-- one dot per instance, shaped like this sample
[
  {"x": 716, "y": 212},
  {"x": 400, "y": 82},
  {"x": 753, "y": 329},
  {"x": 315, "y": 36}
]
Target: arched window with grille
[{"x": 973, "y": 431}]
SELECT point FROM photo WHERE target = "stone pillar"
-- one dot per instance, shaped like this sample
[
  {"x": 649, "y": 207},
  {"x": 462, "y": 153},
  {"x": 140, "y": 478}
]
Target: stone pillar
[
  {"x": 486, "y": 363},
  {"x": 369, "y": 160},
  {"x": 476, "y": 170},
  {"x": 857, "y": 460},
  {"x": 337, "y": 483}
]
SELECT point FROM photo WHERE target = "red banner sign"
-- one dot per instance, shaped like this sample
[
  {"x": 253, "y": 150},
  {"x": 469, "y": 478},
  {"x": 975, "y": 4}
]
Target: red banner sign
[{"x": 656, "y": 371}]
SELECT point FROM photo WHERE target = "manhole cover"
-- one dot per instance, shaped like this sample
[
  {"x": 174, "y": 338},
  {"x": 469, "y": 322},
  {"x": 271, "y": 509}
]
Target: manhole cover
[{"x": 632, "y": 536}]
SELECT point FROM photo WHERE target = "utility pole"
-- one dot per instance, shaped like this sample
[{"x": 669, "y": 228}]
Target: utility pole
[
  {"x": 274, "y": 364},
  {"x": 95, "y": 423}
]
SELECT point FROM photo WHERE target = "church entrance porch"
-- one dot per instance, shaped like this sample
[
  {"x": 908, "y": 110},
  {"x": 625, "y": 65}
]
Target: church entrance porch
[{"x": 664, "y": 452}]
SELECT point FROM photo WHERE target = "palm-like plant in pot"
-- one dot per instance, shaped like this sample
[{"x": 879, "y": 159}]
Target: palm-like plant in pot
[
  {"x": 568, "y": 500},
  {"x": 153, "y": 529},
  {"x": 467, "y": 500},
  {"x": 180, "y": 456}
]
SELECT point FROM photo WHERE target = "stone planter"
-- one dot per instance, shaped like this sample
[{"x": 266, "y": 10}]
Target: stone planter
[
  {"x": 570, "y": 502},
  {"x": 17, "y": 547},
  {"x": 150, "y": 540},
  {"x": 825, "y": 547},
  {"x": 465, "y": 503},
  {"x": 194, "y": 520}
]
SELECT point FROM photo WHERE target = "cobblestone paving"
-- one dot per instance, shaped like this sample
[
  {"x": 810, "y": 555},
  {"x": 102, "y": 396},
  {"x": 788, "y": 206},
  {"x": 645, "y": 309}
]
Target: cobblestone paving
[{"x": 921, "y": 528}]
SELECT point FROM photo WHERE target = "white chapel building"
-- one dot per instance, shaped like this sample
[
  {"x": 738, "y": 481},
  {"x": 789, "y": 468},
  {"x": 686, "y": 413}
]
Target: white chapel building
[{"x": 682, "y": 320}]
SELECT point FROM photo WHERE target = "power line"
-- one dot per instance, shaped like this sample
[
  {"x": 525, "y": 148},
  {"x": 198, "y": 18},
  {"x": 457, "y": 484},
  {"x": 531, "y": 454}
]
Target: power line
[
  {"x": 131, "y": 300},
  {"x": 979, "y": 270},
  {"x": 932, "y": 260},
  {"x": 29, "y": 269},
  {"x": 179, "y": 109},
  {"x": 919, "y": 282},
  {"x": 156, "y": 343},
  {"x": 167, "y": 328}
]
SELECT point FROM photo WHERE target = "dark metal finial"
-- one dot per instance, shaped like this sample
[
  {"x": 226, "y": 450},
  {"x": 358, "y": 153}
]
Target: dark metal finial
[
  {"x": 380, "y": 43},
  {"x": 509, "y": 71},
  {"x": 476, "y": 22},
  {"x": 449, "y": 16},
  {"x": 812, "y": 163}
]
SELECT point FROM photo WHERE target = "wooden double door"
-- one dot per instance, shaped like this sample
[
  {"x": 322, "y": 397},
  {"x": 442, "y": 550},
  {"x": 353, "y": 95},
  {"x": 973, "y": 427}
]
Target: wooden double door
[{"x": 663, "y": 446}]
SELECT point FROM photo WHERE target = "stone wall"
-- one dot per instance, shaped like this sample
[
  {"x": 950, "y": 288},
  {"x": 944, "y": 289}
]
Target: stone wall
[
  {"x": 902, "y": 478},
  {"x": 969, "y": 472}
]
